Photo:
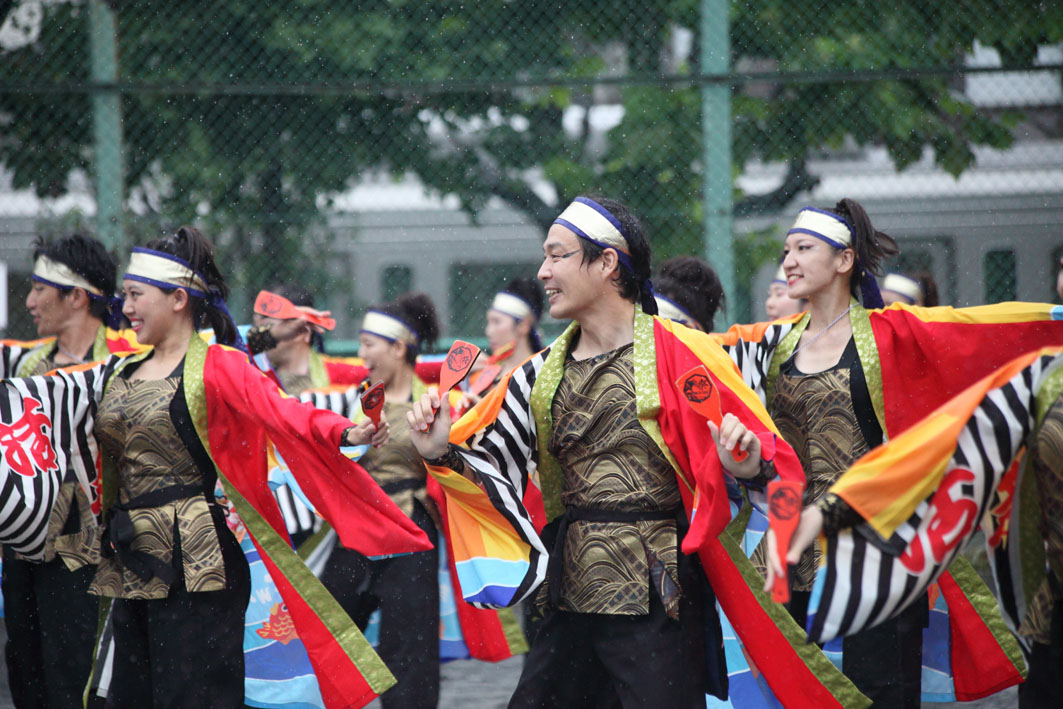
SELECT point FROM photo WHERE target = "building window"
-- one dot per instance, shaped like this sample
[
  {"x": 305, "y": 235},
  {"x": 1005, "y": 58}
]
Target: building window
[
  {"x": 395, "y": 281},
  {"x": 998, "y": 275}
]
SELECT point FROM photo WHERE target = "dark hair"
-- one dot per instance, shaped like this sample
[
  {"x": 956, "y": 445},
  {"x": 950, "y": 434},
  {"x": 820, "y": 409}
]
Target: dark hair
[
  {"x": 529, "y": 290},
  {"x": 418, "y": 313},
  {"x": 630, "y": 284},
  {"x": 871, "y": 246},
  {"x": 190, "y": 244},
  {"x": 88, "y": 258},
  {"x": 693, "y": 285},
  {"x": 929, "y": 286},
  {"x": 297, "y": 294}
]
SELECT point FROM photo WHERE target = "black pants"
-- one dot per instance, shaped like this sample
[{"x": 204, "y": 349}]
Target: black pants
[
  {"x": 1044, "y": 682},
  {"x": 884, "y": 662},
  {"x": 185, "y": 650},
  {"x": 406, "y": 590},
  {"x": 595, "y": 660},
  {"x": 51, "y": 628}
]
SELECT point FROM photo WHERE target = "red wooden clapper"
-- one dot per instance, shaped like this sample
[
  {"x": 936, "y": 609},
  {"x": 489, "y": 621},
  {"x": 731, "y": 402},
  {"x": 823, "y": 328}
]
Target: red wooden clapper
[
  {"x": 701, "y": 393},
  {"x": 784, "y": 512}
]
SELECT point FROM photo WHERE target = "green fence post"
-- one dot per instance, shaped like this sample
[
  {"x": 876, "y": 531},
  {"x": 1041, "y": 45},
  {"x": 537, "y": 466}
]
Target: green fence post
[
  {"x": 106, "y": 124},
  {"x": 716, "y": 135}
]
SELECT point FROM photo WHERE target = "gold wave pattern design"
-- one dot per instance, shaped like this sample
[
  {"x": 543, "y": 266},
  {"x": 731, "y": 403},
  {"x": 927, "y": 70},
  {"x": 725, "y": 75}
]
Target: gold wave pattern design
[
  {"x": 815, "y": 415},
  {"x": 398, "y": 461},
  {"x": 1047, "y": 464},
  {"x": 135, "y": 429},
  {"x": 609, "y": 462}
]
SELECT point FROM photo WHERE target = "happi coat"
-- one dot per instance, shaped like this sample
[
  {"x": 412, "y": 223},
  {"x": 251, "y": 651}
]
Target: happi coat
[
  {"x": 914, "y": 359},
  {"x": 233, "y": 408},
  {"x": 494, "y": 524}
]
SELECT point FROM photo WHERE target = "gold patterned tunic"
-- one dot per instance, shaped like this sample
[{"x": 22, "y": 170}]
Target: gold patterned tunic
[
  {"x": 610, "y": 463},
  {"x": 1048, "y": 466},
  {"x": 295, "y": 384},
  {"x": 815, "y": 414},
  {"x": 397, "y": 466},
  {"x": 135, "y": 429}
]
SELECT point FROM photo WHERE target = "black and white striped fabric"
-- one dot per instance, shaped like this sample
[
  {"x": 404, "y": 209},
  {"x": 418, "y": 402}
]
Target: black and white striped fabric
[
  {"x": 46, "y": 437},
  {"x": 753, "y": 358},
  {"x": 505, "y": 455},
  {"x": 298, "y": 518},
  {"x": 866, "y": 580},
  {"x": 346, "y": 403},
  {"x": 11, "y": 355}
]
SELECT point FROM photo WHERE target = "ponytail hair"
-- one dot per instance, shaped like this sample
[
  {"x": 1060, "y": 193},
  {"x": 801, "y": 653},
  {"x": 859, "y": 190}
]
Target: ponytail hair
[
  {"x": 419, "y": 314},
  {"x": 872, "y": 249},
  {"x": 189, "y": 244}
]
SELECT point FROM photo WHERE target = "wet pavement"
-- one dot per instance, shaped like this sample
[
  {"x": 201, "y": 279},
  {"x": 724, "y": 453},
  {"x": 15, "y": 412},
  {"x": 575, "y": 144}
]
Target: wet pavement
[{"x": 469, "y": 684}]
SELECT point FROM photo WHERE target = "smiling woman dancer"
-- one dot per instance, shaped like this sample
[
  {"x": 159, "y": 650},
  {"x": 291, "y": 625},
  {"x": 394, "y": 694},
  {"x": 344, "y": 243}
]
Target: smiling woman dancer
[
  {"x": 822, "y": 407},
  {"x": 846, "y": 375},
  {"x": 404, "y": 588},
  {"x": 168, "y": 422}
]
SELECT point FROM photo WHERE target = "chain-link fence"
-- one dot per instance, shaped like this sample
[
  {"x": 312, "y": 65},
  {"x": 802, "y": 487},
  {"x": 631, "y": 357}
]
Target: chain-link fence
[{"x": 363, "y": 149}]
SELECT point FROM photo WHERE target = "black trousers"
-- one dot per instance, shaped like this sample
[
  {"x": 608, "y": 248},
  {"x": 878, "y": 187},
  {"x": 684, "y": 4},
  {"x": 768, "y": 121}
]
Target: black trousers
[
  {"x": 884, "y": 662},
  {"x": 594, "y": 660},
  {"x": 51, "y": 628},
  {"x": 1044, "y": 682},
  {"x": 185, "y": 650},
  {"x": 406, "y": 590}
]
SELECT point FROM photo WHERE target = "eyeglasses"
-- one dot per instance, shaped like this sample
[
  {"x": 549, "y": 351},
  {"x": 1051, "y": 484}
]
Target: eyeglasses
[{"x": 554, "y": 258}]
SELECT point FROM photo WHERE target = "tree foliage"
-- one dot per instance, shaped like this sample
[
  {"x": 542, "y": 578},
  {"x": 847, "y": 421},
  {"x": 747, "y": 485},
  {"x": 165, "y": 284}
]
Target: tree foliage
[{"x": 253, "y": 114}]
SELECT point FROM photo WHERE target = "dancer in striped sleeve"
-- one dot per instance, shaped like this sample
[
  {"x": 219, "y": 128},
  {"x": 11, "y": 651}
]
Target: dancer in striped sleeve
[
  {"x": 991, "y": 459},
  {"x": 404, "y": 588},
  {"x": 910, "y": 360},
  {"x": 50, "y": 618},
  {"x": 593, "y": 436},
  {"x": 169, "y": 421}
]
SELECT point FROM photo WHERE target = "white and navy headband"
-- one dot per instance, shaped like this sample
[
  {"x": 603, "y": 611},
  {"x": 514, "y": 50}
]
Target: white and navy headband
[
  {"x": 59, "y": 275},
  {"x": 907, "y": 288},
  {"x": 593, "y": 222},
  {"x": 671, "y": 310},
  {"x": 512, "y": 305},
  {"x": 836, "y": 231},
  {"x": 825, "y": 226},
  {"x": 780, "y": 276},
  {"x": 389, "y": 327},
  {"x": 596, "y": 224},
  {"x": 165, "y": 271},
  {"x": 169, "y": 272}
]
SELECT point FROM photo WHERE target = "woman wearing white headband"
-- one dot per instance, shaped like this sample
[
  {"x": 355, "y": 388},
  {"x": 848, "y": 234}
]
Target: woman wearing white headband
[
  {"x": 512, "y": 334},
  {"x": 838, "y": 381},
  {"x": 915, "y": 289},
  {"x": 170, "y": 423},
  {"x": 404, "y": 588},
  {"x": 779, "y": 304},
  {"x": 823, "y": 409}
]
